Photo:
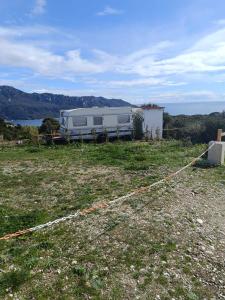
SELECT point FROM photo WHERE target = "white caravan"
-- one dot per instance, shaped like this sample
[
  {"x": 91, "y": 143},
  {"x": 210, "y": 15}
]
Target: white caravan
[{"x": 96, "y": 122}]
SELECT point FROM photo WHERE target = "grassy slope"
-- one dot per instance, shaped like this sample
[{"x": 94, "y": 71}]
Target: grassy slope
[{"x": 41, "y": 184}]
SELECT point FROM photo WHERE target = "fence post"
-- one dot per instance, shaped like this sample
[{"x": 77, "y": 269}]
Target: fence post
[
  {"x": 94, "y": 135},
  {"x": 38, "y": 140},
  {"x": 118, "y": 134},
  {"x": 146, "y": 134},
  {"x": 157, "y": 133},
  {"x": 132, "y": 134},
  {"x": 219, "y": 135},
  {"x": 81, "y": 137},
  {"x": 106, "y": 136}
]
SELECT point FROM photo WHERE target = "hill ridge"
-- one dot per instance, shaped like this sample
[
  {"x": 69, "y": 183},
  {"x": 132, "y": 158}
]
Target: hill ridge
[{"x": 17, "y": 104}]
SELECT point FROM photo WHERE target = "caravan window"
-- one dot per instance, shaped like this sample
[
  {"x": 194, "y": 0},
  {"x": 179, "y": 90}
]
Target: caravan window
[
  {"x": 97, "y": 120},
  {"x": 123, "y": 119},
  {"x": 79, "y": 121}
]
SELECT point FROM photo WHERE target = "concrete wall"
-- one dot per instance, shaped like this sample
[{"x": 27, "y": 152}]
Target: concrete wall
[{"x": 216, "y": 153}]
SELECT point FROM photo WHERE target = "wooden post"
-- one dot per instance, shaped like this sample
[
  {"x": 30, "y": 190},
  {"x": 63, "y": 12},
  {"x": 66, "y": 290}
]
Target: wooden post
[
  {"x": 94, "y": 135},
  {"x": 106, "y": 135},
  {"x": 132, "y": 134},
  {"x": 219, "y": 135},
  {"x": 38, "y": 140},
  {"x": 146, "y": 134},
  {"x": 81, "y": 137},
  {"x": 118, "y": 134}
]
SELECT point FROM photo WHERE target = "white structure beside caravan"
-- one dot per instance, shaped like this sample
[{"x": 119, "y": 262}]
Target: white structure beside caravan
[
  {"x": 96, "y": 122},
  {"x": 152, "y": 121}
]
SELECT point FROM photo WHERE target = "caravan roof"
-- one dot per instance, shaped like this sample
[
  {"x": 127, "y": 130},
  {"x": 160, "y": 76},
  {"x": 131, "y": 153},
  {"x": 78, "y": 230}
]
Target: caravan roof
[{"x": 97, "y": 111}]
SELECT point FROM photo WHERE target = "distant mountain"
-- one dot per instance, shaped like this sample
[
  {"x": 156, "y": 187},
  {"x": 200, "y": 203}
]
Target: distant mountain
[{"x": 15, "y": 104}]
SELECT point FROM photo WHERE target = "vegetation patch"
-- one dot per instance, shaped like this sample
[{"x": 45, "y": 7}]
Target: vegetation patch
[{"x": 147, "y": 246}]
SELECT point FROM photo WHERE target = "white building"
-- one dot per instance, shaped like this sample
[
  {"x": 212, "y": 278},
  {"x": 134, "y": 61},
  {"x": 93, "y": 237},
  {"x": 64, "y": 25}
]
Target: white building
[
  {"x": 96, "y": 122},
  {"x": 152, "y": 121}
]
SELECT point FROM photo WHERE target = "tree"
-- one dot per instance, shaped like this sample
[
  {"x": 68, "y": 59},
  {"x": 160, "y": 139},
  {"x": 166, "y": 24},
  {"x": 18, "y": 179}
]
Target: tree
[
  {"x": 138, "y": 127},
  {"x": 49, "y": 126}
]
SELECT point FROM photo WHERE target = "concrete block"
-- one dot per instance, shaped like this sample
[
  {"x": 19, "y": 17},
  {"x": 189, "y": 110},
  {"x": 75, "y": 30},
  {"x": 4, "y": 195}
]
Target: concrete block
[{"x": 217, "y": 153}]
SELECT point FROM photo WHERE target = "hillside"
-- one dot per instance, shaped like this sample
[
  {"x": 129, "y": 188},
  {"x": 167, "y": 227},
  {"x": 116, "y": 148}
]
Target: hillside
[
  {"x": 165, "y": 243},
  {"x": 16, "y": 104}
]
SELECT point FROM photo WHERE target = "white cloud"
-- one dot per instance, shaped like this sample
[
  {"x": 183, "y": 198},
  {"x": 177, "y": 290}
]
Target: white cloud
[
  {"x": 19, "y": 49},
  {"x": 206, "y": 55},
  {"x": 152, "y": 66},
  {"x": 26, "y": 31},
  {"x": 45, "y": 62},
  {"x": 188, "y": 97},
  {"x": 108, "y": 10},
  {"x": 220, "y": 22},
  {"x": 143, "y": 82},
  {"x": 39, "y": 7}
]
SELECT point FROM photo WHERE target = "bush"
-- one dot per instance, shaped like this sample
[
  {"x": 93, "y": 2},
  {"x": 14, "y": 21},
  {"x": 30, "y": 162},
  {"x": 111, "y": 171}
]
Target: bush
[
  {"x": 49, "y": 126},
  {"x": 196, "y": 129}
]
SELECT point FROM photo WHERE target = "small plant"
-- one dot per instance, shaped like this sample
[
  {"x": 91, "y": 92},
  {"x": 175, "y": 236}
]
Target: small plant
[
  {"x": 34, "y": 149},
  {"x": 79, "y": 271},
  {"x": 162, "y": 280},
  {"x": 203, "y": 164},
  {"x": 12, "y": 280}
]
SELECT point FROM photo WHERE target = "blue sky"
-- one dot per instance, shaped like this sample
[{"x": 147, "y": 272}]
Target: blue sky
[{"x": 137, "y": 50}]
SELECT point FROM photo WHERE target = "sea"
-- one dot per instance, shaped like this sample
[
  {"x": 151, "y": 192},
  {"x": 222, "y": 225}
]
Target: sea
[{"x": 174, "y": 109}]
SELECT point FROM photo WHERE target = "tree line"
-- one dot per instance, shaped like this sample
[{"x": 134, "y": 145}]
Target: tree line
[
  {"x": 196, "y": 128},
  {"x": 12, "y": 132}
]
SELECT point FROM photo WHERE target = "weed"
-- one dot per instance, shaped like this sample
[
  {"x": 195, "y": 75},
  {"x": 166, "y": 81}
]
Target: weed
[
  {"x": 12, "y": 280},
  {"x": 79, "y": 271}
]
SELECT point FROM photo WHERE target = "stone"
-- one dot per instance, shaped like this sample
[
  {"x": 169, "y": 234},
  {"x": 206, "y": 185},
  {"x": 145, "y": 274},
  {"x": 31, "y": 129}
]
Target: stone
[{"x": 200, "y": 221}]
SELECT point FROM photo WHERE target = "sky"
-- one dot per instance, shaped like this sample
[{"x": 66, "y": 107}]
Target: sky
[{"x": 161, "y": 51}]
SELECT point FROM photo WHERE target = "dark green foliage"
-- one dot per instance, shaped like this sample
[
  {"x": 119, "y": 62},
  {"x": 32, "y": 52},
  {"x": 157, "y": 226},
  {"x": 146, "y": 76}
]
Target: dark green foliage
[
  {"x": 138, "y": 128},
  {"x": 78, "y": 271},
  {"x": 12, "y": 280},
  {"x": 196, "y": 128},
  {"x": 11, "y": 132},
  {"x": 49, "y": 126},
  {"x": 11, "y": 221}
]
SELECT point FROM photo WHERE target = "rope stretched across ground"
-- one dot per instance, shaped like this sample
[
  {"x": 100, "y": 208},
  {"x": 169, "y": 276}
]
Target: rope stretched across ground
[{"x": 102, "y": 205}]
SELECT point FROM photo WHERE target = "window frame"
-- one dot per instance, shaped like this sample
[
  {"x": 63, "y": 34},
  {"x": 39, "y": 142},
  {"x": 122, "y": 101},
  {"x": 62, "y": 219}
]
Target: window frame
[
  {"x": 123, "y": 115},
  {"x": 98, "y": 118},
  {"x": 82, "y": 124}
]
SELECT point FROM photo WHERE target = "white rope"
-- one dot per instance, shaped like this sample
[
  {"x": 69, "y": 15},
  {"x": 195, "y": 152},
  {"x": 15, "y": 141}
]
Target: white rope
[
  {"x": 164, "y": 179},
  {"x": 57, "y": 221},
  {"x": 111, "y": 203}
]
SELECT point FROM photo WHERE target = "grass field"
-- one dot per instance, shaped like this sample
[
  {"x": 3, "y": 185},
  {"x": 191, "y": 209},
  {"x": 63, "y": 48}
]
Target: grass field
[{"x": 73, "y": 260}]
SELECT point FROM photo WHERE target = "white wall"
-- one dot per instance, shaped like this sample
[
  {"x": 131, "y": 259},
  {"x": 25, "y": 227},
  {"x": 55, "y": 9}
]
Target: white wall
[{"x": 153, "y": 122}]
